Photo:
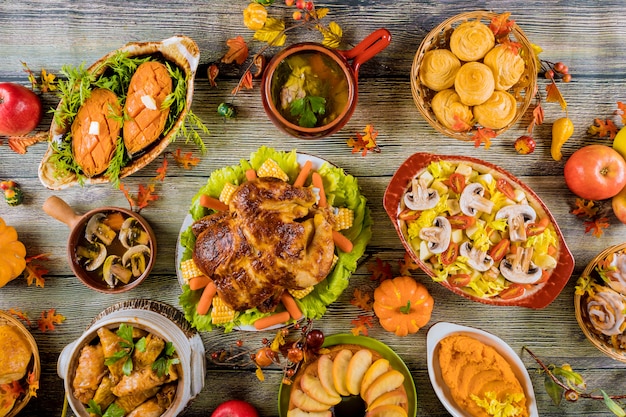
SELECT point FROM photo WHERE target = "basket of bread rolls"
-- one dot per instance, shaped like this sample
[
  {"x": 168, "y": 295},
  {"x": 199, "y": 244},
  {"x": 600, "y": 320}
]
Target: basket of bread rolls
[{"x": 474, "y": 70}]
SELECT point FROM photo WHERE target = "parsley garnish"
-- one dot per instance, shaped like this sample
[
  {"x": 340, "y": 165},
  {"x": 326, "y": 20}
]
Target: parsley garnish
[
  {"x": 113, "y": 410},
  {"x": 127, "y": 345},
  {"x": 307, "y": 107},
  {"x": 162, "y": 365}
]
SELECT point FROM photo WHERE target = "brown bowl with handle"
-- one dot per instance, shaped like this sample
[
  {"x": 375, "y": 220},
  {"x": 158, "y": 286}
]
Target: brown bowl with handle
[{"x": 110, "y": 249}]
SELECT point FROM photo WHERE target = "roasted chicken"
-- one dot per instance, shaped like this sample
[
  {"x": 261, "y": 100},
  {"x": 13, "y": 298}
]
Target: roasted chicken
[{"x": 273, "y": 237}]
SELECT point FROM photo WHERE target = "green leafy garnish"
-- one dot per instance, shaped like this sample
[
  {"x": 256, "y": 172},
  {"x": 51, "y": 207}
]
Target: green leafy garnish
[
  {"x": 113, "y": 410},
  {"x": 127, "y": 345},
  {"x": 162, "y": 365},
  {"x": 307, "y": 107}
]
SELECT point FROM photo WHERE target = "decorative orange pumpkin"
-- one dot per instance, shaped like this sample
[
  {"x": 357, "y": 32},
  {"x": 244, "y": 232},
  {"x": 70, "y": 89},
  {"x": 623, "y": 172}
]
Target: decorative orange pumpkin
[
  {"x": 402, "y": 305},
  {"x": 12, "y": 254}
]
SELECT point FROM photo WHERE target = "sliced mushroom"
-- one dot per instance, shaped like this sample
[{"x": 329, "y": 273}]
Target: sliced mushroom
[
  {"x": 519, "y": 268},
  {"x": 132, "y": 233},
  {"x": 421, "y": 197},
  {"x": 136, "y": 258},
  {"x": 97, "y": 229},
  {"x": 518, "y": 216},
  {"x": 113, "y": 271},
  {"x": 92, "y": 255},
  {"x": 437, "y": 236},
  {"x": 476, "y": 258},
  {"x": 472, "y": 200}
]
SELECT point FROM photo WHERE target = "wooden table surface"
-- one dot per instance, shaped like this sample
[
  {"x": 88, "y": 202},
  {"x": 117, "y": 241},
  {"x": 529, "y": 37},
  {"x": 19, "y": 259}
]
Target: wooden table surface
[{"x": 588, "y": 36}]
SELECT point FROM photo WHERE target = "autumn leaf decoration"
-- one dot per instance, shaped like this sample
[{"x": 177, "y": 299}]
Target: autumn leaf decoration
[
  {"x": 34, "y": 271},
  {"x": 49, "y": 319},
  {"x": 595, "y": 219},
  {"x": 364, "y": 142}
]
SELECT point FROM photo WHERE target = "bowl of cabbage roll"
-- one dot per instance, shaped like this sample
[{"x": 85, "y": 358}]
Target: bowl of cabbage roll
[{"x": 136, "y": 358}]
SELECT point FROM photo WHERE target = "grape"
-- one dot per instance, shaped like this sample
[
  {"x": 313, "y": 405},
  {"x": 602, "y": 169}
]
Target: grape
[{"x": 315, "y": 339}]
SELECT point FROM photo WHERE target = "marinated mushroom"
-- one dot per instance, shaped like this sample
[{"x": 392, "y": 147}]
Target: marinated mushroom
[
  {"x": 136, "y": 258},
  {"x": 421, "y": 197},
  {"x": 476, "y": 258},
  {"x": 92, "y": 255},
  {"x": 132, "y": 233},
  {"x": 97, "y": 229},
  {"x": 472, "y": 200},
  {"x": 518, "y": 216},
  {"x": 114, "y": 271},
  {"x": 438, "y": 235},
  {"x": 518, "y": 267}
]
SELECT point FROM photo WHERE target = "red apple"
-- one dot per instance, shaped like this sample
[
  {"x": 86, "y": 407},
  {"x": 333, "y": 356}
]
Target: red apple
[
  {"x": 235, "y": 408},
  {"x": 20, "y": 110},
  {"x": 595, "y": 172},
  {"x": 619, "y": 205}
]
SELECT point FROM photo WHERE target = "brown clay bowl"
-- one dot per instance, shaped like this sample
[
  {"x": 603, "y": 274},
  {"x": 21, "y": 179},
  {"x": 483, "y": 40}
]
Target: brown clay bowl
[
  {"x": 347, "y": 61},
  {"x": 60, "y": 210}
]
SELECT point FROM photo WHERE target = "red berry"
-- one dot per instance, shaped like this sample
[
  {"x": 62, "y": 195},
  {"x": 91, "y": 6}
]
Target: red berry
[
  {"x": 567, "y": 78},
  {"x": 289, "y": 2},
  {"x": 264, "y": 357},
  {"x": 315, "y": 339},
  {"x": 309, "y": 5},
  {"x": 525, "y": 145},
  {"x": 558, "y": 67},
  {"x": 297, "y": 15},
  {"x": 549, "y": 74},
  {"x": 300, "y": 4}
]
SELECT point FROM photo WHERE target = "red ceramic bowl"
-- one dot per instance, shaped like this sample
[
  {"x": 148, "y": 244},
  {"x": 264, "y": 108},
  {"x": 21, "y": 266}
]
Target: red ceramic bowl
[{"x": 543, "y": 293}]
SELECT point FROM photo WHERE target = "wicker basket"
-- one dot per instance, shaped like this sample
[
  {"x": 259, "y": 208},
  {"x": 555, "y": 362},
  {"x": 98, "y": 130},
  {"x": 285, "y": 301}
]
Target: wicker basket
[
  {"x": 597, "y": 339},
  {"x": 35, "y": 364},
  {"x": 439, "y": 38}
]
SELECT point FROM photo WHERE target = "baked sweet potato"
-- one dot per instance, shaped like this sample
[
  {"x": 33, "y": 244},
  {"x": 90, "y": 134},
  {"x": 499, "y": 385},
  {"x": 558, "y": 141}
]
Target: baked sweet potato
[
  {"x": 148, "y": 88},
  {"x": 95, "y": 131}
]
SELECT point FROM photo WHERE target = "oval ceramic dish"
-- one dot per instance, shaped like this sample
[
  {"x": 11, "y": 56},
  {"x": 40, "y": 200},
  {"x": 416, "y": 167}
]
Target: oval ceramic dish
[
  {"x": 367, "y": 342},
  {"x": 440, "y": 331},
  {"x": 542, "y": 293},
  {"x": 179, "y": 50},
  {"x": 601, "y": 341}
]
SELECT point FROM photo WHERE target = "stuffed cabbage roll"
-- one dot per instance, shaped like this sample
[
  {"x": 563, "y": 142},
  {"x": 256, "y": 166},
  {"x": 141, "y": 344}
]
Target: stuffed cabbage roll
[{"x": 89, "y": 372}]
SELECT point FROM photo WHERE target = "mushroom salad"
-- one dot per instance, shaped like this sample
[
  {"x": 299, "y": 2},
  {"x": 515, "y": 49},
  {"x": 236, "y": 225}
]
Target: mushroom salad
[{"x": 479, "y": 232}]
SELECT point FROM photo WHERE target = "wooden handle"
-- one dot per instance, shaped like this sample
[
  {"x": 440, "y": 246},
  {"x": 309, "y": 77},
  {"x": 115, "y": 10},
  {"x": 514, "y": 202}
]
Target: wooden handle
[{"x": 60, "y": 210}]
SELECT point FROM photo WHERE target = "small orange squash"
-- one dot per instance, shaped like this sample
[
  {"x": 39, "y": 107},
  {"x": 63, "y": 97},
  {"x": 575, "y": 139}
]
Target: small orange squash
[
  {"x": 12, "y": 254},
  {"x": 402, "y": 305}
]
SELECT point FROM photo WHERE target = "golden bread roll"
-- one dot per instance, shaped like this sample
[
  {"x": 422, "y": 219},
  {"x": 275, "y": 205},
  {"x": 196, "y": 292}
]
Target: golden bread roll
[
  {"x": 438, "y": 69},
  {"x": 507, "y": 66},
  {"x": 471, "y": 40},
  {"x": 15, "y": 354},
  {"x": 474, "y": 83},
  {"x": 498, "y": 111},
  {"x": 148, "y": 88},
  {"x": 450, "y": 112},
  {"x": 95, "y": 131}
]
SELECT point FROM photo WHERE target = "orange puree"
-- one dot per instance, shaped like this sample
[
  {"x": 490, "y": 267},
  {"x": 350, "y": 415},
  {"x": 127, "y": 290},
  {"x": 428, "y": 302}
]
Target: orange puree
[{"x": 480, "y": 380}]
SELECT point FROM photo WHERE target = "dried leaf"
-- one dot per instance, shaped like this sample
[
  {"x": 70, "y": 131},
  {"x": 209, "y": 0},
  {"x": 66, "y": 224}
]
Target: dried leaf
[
  {"x": 585, "y": 208},
  {"x": 514, "y": 47},
  {"x": 237, "y": 52},
  {"x": 145, "y": 195},
  {"x": 259, "y": 62},
  {"x": 538, "y": 116},
  {"x": 48, "y": 82},
  {"x": 49, "y": 319},
  {"x": 621, "y": 110},
  {"x": 19, "y": 143},
  {"x": 259, "y": 374},
  {"x": 245, "y": 82},
  {"x": 212, "y": 73},
  {"x": 361, "y": 300},
  {"x": 603, "y": 128},
  {"x": 460, "y": 124},
  {"x": 187, "y": 161},
  {"x": 35, "y": 272},
  {"x": 129, "y": 198},
  {"x": 501, "y": 26},
  {"x": 365, "y": 143},
  {"x": 321, "y": 12},
  {"x": 554, "y": 95},
  {"x": 20, "y": 315},
  {"x": 597, "y": 226},
  {"x": 332, "y": 35},
  {"x": 272, "y": 32},
  {"x": 361, "y": 325},
  {"x": 483, "y": 135},
  {"x": 33, "y": 384},
  {"x": 380, "y": 270},
  {"x": 161, "y": 171},
  {"x": 407, "y": 265}
]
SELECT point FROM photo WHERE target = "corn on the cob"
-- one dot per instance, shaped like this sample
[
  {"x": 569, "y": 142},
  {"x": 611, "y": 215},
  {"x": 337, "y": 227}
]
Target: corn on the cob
[
  {"x": 270, "y": 168},
  {"x": 299, "y": 294},
  {"x": 227, "y": 192},
  {"x": 221, "y": 312},
  {"x": 344, "y": 218},
  {"x": 189, "y": 270}
]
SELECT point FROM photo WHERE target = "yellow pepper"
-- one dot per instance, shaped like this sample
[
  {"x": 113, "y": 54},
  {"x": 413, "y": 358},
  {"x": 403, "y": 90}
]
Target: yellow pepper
[
  {"x": 562, "y": 130},
  {"x": 254, "y": 16}
]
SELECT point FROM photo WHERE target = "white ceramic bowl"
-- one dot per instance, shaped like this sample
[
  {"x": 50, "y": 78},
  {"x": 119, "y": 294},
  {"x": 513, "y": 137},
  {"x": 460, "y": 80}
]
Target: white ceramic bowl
[
  {"x": 159, "y": 318},
  {"x": 440, "y": 331}
]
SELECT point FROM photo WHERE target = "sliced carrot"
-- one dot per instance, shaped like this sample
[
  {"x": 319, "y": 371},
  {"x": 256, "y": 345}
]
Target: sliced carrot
[
  {"x": 268, "y": 321},
  {"x": 291, "y": 306},
  {"x": 316, "y": 178},
  {"x": 342, "y": 242},
  {"x": 304, "y": 173},
  {"x": 251, "y": 174},
  {"x": 551, "y": 250},
  {"x": 196, "y": 283},
  {"x": 206, "y": 299},
  {"x": 212, "y": 203}
]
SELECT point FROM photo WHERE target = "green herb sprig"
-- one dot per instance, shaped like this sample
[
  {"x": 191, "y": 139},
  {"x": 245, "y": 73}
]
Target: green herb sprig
[
  {"x": 127, "y": 345},
  {"x": 162, "y": 365},
  {"x": 113, "y": 410},
  {"x": 307, "y": 107}
]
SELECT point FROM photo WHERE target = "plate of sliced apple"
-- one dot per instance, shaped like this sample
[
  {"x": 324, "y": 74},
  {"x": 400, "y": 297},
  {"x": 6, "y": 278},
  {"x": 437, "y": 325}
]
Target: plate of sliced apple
[{"x": 351, "y": 376}]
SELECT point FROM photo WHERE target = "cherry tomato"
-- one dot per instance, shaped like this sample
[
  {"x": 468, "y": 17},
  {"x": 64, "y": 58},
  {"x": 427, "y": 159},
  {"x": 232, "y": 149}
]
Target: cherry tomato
[
  {"x": 461, "y": 221},
  {"x": 505, "y": 188},
  {"x": 408, "y": 214},
  {"x": 456, "y": 182},
  {"x": 450, "y": 254},
  {"x": 514, "y": 291},
  {"x": 459, "y": 280},
  {"x": 537, "y": 228},
  {"x": 500, "y": 249}
]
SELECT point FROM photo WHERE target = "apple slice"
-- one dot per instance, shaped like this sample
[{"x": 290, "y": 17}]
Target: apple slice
[
  {"x": 325, "y": 374},
  {"x": 305, "y": 403},
  {"x": 359, "y": 364},
  {"x": 340, "y": 371},
  {"x": 378, "y": 368},
  {"x": 296, "y": 412},
  {"x": 395, "y": 397},
  {"x": 312, "y": 386},
  {"x": 388, "y": 410},
  {"x": 388, "y": 381}
]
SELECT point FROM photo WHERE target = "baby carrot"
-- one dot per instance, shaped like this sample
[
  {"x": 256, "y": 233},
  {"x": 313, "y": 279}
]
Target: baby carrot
[
  {"x": 196, "y": 283},
  {"x": 206, "y": 298},
  {"x": 304, "y": 173},
  {"x": 316, "y": 178},
  {"x": 265, "y": 322},
  {"x": 212, "y": 203},
  {"x": 251, "y": 175},
  {"x": 291, "y": 306},
  {"x": 342, "y": 242}
]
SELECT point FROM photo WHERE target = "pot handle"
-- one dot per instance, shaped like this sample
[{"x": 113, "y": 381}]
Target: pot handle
[
  {"x": 60, "y": 210},
  {"x": 367, "y": 48}
]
